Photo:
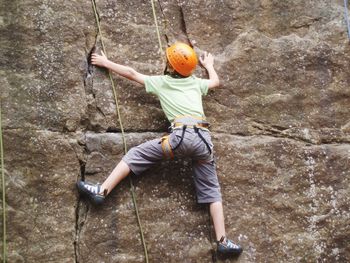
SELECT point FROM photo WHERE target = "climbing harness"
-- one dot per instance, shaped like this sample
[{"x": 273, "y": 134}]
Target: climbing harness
[
  {"x": 197, "y": 123},
  {"x": 184, "y": 122},
  {"x": 3, "y": 193},
  {"x": 346, "y": 14},
  {"x": 166, "y": 147},
  {"x": 132, "y": 188},
  {"x": 190, "y": 122},
  {"x": 197, "y": 130}
]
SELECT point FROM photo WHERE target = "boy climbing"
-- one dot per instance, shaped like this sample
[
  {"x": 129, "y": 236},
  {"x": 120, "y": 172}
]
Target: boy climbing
[{"x": 180, "y": 95}]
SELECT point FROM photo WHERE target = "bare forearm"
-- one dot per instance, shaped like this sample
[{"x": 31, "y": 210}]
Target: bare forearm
[
  {"x": 125, "y": 71},
  {"x": 121, "y": 70},
  {"x": 213, "y": 77},
  {"x": 207, "y": 61}
]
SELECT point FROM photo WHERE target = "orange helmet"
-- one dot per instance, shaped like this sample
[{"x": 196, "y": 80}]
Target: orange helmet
[{"x": 182, "y": 58}]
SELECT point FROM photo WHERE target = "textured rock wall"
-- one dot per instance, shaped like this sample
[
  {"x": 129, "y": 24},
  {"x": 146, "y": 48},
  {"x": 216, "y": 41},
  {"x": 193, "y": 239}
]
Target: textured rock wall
[{"x": 280, "y": 125}]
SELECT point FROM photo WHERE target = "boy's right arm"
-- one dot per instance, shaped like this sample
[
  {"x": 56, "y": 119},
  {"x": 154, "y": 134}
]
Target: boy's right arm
[{"x": 125, "y": 71}]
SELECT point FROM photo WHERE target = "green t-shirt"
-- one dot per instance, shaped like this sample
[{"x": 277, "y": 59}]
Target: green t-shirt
[{"x": 178, "y": 96}]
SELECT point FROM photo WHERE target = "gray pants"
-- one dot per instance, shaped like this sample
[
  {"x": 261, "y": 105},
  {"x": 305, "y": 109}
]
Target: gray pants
[{"x": 141, "y": 157}]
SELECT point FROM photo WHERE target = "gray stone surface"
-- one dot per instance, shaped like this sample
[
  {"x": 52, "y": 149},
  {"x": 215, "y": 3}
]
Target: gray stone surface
[
  {"x": 41, "y": 168},
  {"x": 280, "y": 123}
]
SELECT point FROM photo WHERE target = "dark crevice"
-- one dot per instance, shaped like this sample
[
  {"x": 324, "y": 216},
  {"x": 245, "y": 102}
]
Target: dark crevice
[
  {"x": 88, "y": 126},
  {"x": 269, "y": 130},
  {"x": 280, "y": 128},
  {"x": 100, "y": 110},
  {"x": 183, "y": 25},
  {"x": 113, "y": 130},
  {"x": 82, "y": 169},
  {"x": 81, "y": 216},
  {"x": 78, "y": 204},
  {"x": 30, "y": 129},
  {"x": 300, "y": 139},
  {"x": 165, "y": 25},
  {"x": 81, "y": 213},
  {"x": 165, "y": 22},
  {"x": 276, "y": 132},
  {"x": 76, "y": 239},
  {"x": 89, "y": 72},
  {"x": 90, "y": 67},
  {"x": 241, "y": 134},
  {"x": 273, "y": 126},
  {"x": 79, "y": 210},
  {"x": 117, "y": 130}
]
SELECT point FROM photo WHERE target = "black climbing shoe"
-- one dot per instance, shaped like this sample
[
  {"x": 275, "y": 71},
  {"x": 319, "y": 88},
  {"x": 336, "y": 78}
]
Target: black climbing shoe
[
  {"x": 92, "y": 191},
  {"x": 226, "y": 248}
]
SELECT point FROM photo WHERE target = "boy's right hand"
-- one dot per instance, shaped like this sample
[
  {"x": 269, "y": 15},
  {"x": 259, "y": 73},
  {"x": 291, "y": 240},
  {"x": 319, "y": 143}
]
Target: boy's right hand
[{"x": 99, "y": 60}]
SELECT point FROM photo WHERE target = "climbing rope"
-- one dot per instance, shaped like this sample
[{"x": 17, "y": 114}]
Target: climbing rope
[
  {"x": 132, "y": 188},
  {"x": 3, "y": 194},
  {"x": 158, "y": 31},
  {"x": 346, "y": 14}
]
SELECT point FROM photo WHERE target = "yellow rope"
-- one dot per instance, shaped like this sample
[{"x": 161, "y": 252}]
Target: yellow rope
[
  {"x": 3, "y": 194},
  {"x": 132, "y": 188},
  {"x": 157, "y": 29}
]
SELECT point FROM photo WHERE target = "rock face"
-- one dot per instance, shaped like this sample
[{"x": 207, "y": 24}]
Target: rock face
[{"x": 280, "y": 126}]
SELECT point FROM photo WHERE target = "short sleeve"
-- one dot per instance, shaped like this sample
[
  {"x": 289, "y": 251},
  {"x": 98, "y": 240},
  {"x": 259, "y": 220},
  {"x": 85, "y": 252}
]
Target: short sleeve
[
  {"x": 204, "y": 86},
  {"x": 153, "y": 84}
]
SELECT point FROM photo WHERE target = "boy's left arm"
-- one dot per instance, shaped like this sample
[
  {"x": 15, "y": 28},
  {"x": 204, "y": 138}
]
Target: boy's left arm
[{"x": 207, "y": 61}]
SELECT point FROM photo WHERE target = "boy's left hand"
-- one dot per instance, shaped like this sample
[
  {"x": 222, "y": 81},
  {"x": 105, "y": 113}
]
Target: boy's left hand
[
  {"x": 99, "y": 60},
  {"x": 207, "y": 59}
]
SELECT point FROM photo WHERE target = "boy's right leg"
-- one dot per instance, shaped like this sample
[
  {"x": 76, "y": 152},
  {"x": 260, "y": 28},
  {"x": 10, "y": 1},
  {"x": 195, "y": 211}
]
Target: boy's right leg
[
  {"x": 118, "y": 174},
  {"x": 97, "y": 193},
  {"x": 137, "y": 159}
]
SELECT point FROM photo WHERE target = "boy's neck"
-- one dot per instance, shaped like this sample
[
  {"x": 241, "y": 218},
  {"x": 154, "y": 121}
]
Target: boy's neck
[{"x": 174, "y": 74}]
